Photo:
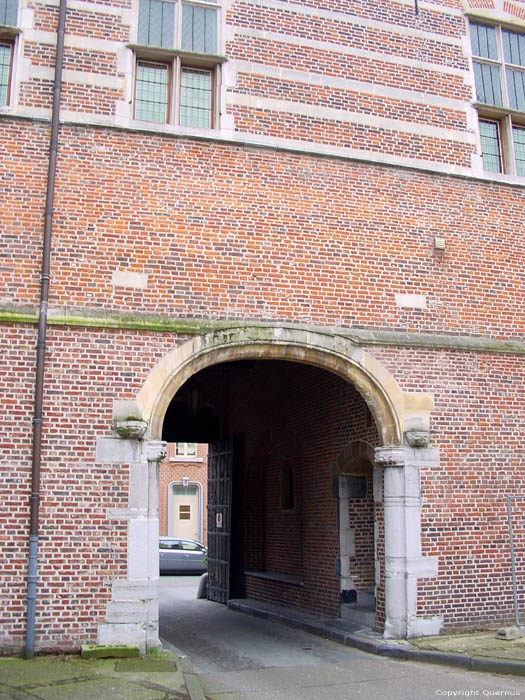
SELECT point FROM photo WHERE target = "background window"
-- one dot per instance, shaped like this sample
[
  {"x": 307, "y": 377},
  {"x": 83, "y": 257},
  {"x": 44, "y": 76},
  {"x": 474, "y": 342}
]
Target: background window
[
  {"x": 6, "y": 51},
  {"x": 173, "y": 90},
  {"x": 186, "y": 449},
  {"x": 499, "y": 66},
  {"x": 514, "y": 53}
]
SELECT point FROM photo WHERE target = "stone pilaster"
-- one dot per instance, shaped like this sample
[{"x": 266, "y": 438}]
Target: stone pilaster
[
  {"x": 132, "y": 615},
  {"x": 404, "y": 564}
]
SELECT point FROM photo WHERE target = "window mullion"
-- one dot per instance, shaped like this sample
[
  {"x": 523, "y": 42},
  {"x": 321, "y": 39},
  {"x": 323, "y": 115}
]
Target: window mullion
[
  {"x": 216, "y": 101},
  {"x": 176, "y": 90},
  {"x": 178, "y": 24},
  {"x": 507, "y": 141},
  {"x": 502, "y": 70}
]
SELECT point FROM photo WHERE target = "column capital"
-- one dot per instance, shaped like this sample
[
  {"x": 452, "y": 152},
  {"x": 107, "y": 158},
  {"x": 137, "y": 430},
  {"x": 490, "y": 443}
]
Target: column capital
[
  {"x": 390, "y": 456},
  {"x": 155, "y": 450}
]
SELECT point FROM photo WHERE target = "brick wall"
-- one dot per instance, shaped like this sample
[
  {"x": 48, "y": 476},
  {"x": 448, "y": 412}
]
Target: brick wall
[
  {"x": 321, "y": 241},
  {"x": 478, "y": 423},
  {"x": 385, "y": 53},
  {"x": 223, "y": 231}
]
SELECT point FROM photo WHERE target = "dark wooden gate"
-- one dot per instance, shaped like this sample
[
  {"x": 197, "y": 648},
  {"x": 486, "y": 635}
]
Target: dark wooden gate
[{"x": 220, "y": 466}]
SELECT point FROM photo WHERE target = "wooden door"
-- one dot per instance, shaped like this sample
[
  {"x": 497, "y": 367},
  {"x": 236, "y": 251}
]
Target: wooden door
[{"x": 185, "y": 511}]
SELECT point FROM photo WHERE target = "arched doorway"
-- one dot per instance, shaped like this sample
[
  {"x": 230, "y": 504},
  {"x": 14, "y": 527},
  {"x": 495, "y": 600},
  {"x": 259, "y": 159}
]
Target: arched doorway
[{"x": 396, "y": 416}]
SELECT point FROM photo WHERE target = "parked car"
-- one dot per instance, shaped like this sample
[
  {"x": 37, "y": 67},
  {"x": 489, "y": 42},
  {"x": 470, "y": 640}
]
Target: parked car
[{"x": 178, "y": 555}]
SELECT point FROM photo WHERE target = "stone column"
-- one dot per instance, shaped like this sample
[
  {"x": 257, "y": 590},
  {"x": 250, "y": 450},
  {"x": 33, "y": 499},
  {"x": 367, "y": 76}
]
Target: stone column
[
  {"x": 132, "y": 615},
  {"x": 403, "y": 561}
]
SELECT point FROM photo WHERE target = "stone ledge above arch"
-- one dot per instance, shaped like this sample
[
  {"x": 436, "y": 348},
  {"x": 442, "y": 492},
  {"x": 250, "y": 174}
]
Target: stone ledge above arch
[{"x": 393, "y": 409}]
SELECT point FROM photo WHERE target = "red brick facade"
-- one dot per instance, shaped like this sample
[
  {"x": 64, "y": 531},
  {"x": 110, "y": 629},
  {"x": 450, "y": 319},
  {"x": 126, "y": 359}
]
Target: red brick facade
[{"x": 340, "y": 192}]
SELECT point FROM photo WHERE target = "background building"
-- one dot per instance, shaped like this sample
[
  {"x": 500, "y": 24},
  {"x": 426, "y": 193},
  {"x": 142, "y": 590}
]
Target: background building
[
  {"x": 183, "y": 478},
  {"x": 293, "y": 232}
]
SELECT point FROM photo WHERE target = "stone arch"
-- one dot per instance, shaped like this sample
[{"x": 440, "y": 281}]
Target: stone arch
[
  {"x": 402, "y": 421},
  {"x": 327, "y": 350}
]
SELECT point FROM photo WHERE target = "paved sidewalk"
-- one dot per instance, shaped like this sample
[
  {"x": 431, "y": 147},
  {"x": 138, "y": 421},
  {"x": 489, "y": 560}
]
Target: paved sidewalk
[
  {"x": 68, "y": 677},
  {"x": 483, "y": 648}
]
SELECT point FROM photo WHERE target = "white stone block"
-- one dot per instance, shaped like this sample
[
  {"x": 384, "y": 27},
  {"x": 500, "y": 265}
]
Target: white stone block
[
  {"x": 422, "y": 457},
  {"x": 347, "y": 543},
  {"x": 132, "y": 611},
  {"x": 124, "y": 590},
  {"x": 132, "y": 280},
  {"x": 138, "y": 549},
  {"x": 395, "y": 532},
  {"x": 424, "y": 627},
  {"x": 117, "y": 450},
  {"x": 411, "y": 301},
  {"x": 394, "y": 482},
  {"x": 138, "y": 485},
  {"x": 395, "y": 595},
  {"x": 122, "y": 633},
  {"x": 378, "y": 485}
]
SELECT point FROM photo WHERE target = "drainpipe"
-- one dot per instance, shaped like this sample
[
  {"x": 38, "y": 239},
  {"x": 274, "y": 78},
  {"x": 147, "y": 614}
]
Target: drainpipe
[{"x": 41, "y": 340}]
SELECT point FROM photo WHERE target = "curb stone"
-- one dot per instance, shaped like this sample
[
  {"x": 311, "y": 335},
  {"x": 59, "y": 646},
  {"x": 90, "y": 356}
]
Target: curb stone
[
  {"x": 191, "y": 680},
  {"x": 402, "y": 651}
]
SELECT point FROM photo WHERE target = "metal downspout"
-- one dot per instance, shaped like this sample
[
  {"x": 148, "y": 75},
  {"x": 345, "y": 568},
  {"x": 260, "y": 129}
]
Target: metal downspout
[{"x": 41, "y": 340}]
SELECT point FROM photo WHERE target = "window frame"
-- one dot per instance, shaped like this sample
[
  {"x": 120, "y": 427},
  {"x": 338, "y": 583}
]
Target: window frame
[
  {"x": 177, "y": 59},
  {"x": 505, "y": 116},
  {"x": 8, "y": 41},
  {"x": 176, "y": 62},
  {"x": 499, "y": 140},
  {"x": 169, "y": 84},
  {"x": 287, "y": 487}
]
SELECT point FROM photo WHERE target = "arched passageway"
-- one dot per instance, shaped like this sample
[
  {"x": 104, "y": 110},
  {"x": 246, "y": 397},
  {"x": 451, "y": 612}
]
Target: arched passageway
[
  {"x": 300, "y": 533},
  {"x": 295, "y": 404}
]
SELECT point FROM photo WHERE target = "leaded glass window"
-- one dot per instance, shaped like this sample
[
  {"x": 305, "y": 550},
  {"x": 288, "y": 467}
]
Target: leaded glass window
[
  {"x": 9, "y": 12},
  {"x": 490, "y": 146},
  {"x": 177, "y": 69},
  {"x": 499, "y": 66},
  {"x": 174, "y": 24},
  {"x": 498, "y": 56},
  {"x": 518, "y": 134},
  {"x": 195, "y": 98},
  {"x": 6, "y": 51},
  {"x": 488, "y": 83},
  {"x": 199, "y": 28},
  {"x": 156, "y": 23},
  {"x": 151, "y": 91}
]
